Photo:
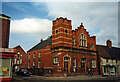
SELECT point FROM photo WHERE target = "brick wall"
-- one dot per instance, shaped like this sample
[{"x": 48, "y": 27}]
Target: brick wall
[
  {"x": 5, "y": 29},
  {"x": 22, "y": 53}
]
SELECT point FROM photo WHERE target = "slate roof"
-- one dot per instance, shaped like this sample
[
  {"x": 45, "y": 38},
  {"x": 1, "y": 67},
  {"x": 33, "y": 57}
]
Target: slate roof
[
  {"x": 41, "y": 45},
  {"x": 106, "y": 52}
]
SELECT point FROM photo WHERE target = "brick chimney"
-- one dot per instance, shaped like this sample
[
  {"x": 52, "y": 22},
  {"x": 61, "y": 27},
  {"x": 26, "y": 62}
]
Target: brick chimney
[
  {"x": 109, "y": 43},
  {"x": 41, "y": 40}
]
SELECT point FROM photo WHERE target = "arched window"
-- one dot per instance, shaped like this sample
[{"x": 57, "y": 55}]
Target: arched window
[
  {"x": 83, "y": 40},
  {"x": 56, "y": 60}
]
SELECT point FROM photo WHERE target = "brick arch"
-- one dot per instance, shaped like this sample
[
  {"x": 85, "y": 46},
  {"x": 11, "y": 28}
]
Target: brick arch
[{"x": 69, "y": 62}]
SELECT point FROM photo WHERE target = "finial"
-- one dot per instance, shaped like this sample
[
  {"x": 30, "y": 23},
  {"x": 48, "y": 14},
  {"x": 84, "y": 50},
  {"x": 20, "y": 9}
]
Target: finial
[{"x": 81, "y": 24}]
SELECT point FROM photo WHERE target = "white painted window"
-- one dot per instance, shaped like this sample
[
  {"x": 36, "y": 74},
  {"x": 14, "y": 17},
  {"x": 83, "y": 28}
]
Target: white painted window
[
  {"x": 33, "y": 63},
  {"x": 74, "y": 62},
  {"x": 18, "y": 55},
  {"x": 15, "y": 60},
  {"x": 20, "y": 59},
  {"x": 83, "y": 41},
  {"x": 39, "y": 55},
  {"x": 39, "y": 64},
  {"x": 73, "y": 41},
  {"x": 56, "y": 59},
  {"x": 105, "y": 69},
  {"x": 93, "y": 63},
  {"x": 33, "y": 55},
  {"x": 29, "y": 64},
  {"x": 29, "y": 56}
]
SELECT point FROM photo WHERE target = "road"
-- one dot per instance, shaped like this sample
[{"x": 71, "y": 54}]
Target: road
[{"x": 34, "y": 79}]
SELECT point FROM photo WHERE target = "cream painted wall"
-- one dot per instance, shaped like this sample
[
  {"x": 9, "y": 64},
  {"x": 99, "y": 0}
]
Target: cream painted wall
[{"x": 111, "y": 62}]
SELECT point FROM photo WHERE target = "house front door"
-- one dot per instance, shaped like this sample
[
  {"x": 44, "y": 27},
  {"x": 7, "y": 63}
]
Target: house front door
[
  {"x": 66, "y": 67},
  {"x": 66, "y": 64},
  {"x": 83, "y": 66}
]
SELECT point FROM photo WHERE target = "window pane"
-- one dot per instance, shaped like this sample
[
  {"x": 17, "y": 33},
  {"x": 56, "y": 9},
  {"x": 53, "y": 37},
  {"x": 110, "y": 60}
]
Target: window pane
[
  {"x": 29, "y": 56},
  {"x": 56, "y": 59},
  {"x": 33, "y": 55},
  {"x": 80, "y": 42},
  {"x": 39, "y": 54},
  {"x": 93, "y": 62},
  {"x": 73, "y": 41},
  {"x": 74, "y": 62}
]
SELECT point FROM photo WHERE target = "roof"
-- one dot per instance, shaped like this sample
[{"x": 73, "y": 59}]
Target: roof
[
  {"x": 3, "y": 15},
  {"x": 19, "y": 47},
  {"x": 42, "y": 44},
  {"x": 106, "y": 52}
]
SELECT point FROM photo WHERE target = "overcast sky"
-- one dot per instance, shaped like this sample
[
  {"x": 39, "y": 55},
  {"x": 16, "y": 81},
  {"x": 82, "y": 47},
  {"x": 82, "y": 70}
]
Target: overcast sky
[{"x": 31, "y": 21}]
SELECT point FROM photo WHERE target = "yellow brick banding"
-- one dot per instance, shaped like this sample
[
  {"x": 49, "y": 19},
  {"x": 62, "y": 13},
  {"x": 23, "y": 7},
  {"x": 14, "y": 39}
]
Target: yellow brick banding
[{"x": 4, "y": 18}]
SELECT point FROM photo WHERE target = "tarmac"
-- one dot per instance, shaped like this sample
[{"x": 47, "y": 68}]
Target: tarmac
[{"x": 78, "y": 77}]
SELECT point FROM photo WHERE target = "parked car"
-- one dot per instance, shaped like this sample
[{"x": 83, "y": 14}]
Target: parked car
[{"x": 23, "y": 72}]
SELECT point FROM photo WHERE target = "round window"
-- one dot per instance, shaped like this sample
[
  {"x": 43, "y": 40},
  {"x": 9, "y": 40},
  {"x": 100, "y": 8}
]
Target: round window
[
  {"x": 56, "y": 31},
  {"x": 66, "y": 31}
]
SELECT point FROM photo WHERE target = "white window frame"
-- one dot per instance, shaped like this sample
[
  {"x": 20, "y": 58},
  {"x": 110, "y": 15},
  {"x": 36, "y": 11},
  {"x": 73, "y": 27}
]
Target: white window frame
[
  {"x": 18, "y": 62},
  {"x": 18, "y": 55},
  {"x": 29, "y": 56},
  {"x": 39, "y": 55},
  {"x": 105, "y": 69},
  {"x": 73, "y": 41},
  {"x": 34, "y": 55},
  {"x": 15, "y": 60},
  {"x": 20, "y": 59},
  {"x": 74, "y": 61},
  {"x": 39, "y": 64},
  {"x": 28, "y": 64},
  {"x": 82, "y": 40},
  {"x": 93, "y": 63},
  {"x": 56, "y": 60},
  {"x": 33, "y": 63}
]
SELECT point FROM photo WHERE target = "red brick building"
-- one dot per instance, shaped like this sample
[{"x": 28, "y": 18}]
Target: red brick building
[
  {"x": 4, "y": 30},
  {"x": 66, "y": 52},
  {"x": 19, "y": 60}
]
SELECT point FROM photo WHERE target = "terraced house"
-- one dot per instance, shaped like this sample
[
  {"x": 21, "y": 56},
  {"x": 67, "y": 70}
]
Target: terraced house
[
  {"x": 108, "y": 59},
  {"x": 66, "y": 52}
]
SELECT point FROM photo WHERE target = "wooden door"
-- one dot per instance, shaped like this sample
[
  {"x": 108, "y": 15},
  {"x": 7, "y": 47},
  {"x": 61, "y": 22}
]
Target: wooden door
[
  {"x": 83, "y": 66},
  {"x": 66, "y": 67}
]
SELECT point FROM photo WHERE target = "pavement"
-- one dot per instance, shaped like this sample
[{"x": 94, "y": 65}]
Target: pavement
[{"x": 78, "y": 77}]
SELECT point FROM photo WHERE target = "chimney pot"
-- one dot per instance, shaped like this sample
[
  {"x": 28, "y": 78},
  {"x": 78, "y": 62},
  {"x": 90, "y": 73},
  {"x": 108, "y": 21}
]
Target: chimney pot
[
  {"x": 41, "y": 40},
  {"x": 109, "y": 43}
]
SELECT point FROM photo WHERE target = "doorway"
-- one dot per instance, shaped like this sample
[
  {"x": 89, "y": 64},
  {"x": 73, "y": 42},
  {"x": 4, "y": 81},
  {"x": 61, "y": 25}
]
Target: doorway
[
  {"x": 66, "y": 64},
  {"x": 83, "y": 65}
]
